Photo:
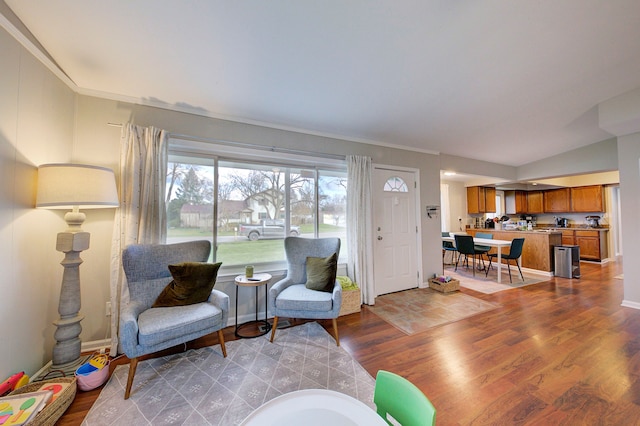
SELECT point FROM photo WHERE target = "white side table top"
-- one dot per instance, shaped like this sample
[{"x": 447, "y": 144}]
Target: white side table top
[{"x": 256, "y": 280}]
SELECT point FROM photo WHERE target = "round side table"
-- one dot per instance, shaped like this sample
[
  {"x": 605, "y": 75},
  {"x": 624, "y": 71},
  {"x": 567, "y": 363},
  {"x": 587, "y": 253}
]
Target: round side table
[{"x": 256, "y": 281}]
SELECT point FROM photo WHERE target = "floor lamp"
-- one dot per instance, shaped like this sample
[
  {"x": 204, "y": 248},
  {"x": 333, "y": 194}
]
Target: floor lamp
[{"x": 72, "y": 186}]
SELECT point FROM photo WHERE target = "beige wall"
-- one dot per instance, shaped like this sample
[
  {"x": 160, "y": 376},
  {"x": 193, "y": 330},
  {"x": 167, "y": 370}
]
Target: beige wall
[
  {"x": 629, "y": 159},
  {"x": 36, "y": 127}
]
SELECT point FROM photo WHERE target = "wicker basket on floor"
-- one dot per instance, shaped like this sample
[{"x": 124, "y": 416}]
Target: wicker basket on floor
[
  {"x": 54, "y": 410},
  {"x": 447, "y": 287},
  {"x": 351, "y": 302}
]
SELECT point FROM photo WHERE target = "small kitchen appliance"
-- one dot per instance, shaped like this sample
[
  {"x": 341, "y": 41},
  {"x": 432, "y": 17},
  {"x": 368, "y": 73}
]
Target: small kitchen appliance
[
  {"x": 562, "y": 222},
  {"x": 593, "y": 221}
]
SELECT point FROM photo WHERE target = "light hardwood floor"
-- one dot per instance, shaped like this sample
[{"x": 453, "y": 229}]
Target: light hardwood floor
[{"x": 559, "y": 352}]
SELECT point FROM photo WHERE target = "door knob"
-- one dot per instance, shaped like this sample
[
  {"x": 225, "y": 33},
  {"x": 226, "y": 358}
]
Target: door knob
[{"x": 379, "y": 237}]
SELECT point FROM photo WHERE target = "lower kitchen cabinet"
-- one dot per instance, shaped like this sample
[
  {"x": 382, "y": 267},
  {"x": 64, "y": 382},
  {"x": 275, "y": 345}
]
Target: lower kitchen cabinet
[
  {"x": 593, "y": 243},
  {"x": 593, "y": 246},
  {"x": 568, "y": 238}
]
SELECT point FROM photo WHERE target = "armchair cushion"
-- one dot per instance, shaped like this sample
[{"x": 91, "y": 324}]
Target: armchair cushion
[
  {"x": 321, "y": 273},
  {"x": 192, "y": 283},
  {"x": 158, "y": 325},
  {"x": 298, "y": 297}
]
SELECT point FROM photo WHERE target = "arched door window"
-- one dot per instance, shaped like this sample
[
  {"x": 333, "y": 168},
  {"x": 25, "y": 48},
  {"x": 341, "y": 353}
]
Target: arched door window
[{"x": 395, "y": 184}]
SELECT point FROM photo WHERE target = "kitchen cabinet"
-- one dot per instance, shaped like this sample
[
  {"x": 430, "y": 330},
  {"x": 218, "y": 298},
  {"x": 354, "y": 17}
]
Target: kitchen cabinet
[
  {"x": 515, "y": 202},
  {"x": 535, "y": 202},
  {"x": 481, "y": 199},
  {"x": 557, "y": 200},
  {"x": 592, "y": 242},
  {"x": 593, "y": 245},
  {"x": 587, "y": 199},
  {"x": 568, "y": 238},
  {"x": 490, "y": 200}
]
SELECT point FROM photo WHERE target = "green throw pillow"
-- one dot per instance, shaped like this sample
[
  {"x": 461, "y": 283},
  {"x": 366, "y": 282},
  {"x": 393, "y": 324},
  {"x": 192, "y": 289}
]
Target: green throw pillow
[
  {"x": 192, "y": 283},
  {"x": 321, "y": 273}
]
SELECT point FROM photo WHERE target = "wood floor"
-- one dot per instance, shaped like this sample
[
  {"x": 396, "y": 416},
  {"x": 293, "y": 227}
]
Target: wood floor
[{"x": 559, "y": 352}]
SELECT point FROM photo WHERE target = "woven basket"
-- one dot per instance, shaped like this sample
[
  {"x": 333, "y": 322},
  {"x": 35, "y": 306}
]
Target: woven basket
[
  {"x": 447, "y": 287},
  {"x": 53, "y": 411},
  {"x": 350, "y": 302}
]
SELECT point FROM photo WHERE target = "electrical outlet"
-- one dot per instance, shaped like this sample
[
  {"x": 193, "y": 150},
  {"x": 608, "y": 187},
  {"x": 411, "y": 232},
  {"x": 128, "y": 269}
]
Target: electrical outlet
[{"x": 107, "y": 309}]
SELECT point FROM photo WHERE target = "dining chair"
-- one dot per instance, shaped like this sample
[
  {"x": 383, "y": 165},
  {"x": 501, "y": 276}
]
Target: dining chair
[
  {"x": 397, "y": 397},
  {"x": 466, "y": 247},
  {"x": 447, "y": 246},
  {"x": 483, "y": 249},
  {"x": 514, "y": 254}
]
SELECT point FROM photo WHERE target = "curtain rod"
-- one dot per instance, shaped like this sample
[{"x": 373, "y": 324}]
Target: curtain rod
[{"x": 250, "y": 145}]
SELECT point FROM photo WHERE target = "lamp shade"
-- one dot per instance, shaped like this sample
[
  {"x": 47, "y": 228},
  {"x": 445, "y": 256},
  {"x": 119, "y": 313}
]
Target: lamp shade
[{"x": 64, "y": 186}]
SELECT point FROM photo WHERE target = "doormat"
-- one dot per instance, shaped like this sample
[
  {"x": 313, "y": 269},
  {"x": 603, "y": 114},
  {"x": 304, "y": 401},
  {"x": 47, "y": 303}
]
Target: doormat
[
  {"x": 416, "y": 310},
  {"x": 490, "y": 285},
  {"x": 200, "y": 387}
]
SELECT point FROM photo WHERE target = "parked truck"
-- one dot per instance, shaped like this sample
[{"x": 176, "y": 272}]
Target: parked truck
[{"x": 267, "y": 229}]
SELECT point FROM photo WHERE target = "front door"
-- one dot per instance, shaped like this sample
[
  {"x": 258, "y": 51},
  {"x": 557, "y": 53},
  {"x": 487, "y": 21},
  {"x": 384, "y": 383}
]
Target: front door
[{"x": 395, "y": 230}]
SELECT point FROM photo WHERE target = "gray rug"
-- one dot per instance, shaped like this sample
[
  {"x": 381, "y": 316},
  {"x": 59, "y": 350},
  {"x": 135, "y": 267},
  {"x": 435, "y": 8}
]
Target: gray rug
[{"x": 200, "y": 387}]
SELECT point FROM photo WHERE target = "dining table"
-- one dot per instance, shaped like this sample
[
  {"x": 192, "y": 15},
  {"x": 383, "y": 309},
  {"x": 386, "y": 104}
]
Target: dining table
[
  {"x": 313, "y": 407},
  {"x": 487, "y": 242}
]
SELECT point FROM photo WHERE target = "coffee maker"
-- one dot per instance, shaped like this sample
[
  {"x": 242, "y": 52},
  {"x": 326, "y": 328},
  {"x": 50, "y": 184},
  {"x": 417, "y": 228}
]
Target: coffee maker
[{"x": 562, "y": 222}]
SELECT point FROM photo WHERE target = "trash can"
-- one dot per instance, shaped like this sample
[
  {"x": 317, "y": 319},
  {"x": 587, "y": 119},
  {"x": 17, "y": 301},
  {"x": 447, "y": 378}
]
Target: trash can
[{"x": 567, "y": 261}]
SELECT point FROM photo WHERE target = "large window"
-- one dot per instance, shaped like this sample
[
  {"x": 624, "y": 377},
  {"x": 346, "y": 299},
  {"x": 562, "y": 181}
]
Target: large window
[{"x": 246, "y": 208}]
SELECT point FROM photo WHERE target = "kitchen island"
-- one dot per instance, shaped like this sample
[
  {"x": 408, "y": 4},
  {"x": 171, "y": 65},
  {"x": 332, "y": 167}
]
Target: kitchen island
[{"x": 537, "y": 252}]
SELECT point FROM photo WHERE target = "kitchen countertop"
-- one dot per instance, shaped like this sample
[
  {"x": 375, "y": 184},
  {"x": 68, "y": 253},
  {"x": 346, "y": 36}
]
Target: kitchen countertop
[{"x": 545, "y": 230}]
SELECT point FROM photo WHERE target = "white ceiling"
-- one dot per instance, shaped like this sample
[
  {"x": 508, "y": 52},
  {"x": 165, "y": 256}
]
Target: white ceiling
[{"x": 471, "y": 78}]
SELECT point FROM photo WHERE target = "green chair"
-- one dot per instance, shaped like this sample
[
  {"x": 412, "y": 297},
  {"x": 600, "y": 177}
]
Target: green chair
[{"x": 396, "y": 396}]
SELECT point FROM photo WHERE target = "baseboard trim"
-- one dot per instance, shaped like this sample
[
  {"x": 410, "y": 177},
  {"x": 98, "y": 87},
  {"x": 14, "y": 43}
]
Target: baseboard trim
[
  {"x": 95, "y": 345},
  {"x": 630, "y": 304}
]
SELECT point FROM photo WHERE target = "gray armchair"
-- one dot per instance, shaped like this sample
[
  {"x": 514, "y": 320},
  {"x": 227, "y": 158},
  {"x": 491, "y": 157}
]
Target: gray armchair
[
  {"x": 145, "y": 330},
  {"x": 290, "y": 298}
]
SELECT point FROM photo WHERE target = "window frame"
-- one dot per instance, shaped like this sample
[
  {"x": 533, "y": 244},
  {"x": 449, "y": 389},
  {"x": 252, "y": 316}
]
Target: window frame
[{"x": 213, "y": 154}]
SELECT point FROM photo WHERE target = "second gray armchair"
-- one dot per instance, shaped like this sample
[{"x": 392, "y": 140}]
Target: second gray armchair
[{"x": 291, "y": 298}]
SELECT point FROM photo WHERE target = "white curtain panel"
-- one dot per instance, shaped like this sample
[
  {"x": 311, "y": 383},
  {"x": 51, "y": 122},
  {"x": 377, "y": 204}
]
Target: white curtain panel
[
  {"x": 141, "y": 217},
  {"x": 359, "y": 223}
]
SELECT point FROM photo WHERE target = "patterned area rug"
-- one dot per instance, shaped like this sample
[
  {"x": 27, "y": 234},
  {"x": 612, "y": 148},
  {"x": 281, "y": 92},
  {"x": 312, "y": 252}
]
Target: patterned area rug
[
  {"x": 489, "y": 284},
  {"x": 200, "y": 387},
  {"x": 416, "y": 310}
]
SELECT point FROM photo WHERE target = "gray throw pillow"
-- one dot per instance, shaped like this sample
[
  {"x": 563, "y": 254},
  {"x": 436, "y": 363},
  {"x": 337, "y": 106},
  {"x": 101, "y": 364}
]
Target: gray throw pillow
[{"x": 321, "y": 272}]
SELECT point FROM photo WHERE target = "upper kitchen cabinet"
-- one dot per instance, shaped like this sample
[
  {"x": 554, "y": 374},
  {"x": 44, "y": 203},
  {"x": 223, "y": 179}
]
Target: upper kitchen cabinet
[
  {"x": 587, "y": 199},
  {"x": 490, "y": 200},
  {"x": 535, "y": 203},
  {"x": 557, "y": 200},
  {"x": 515, "y": 202},
  {"x": 481, "y": 199}
]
